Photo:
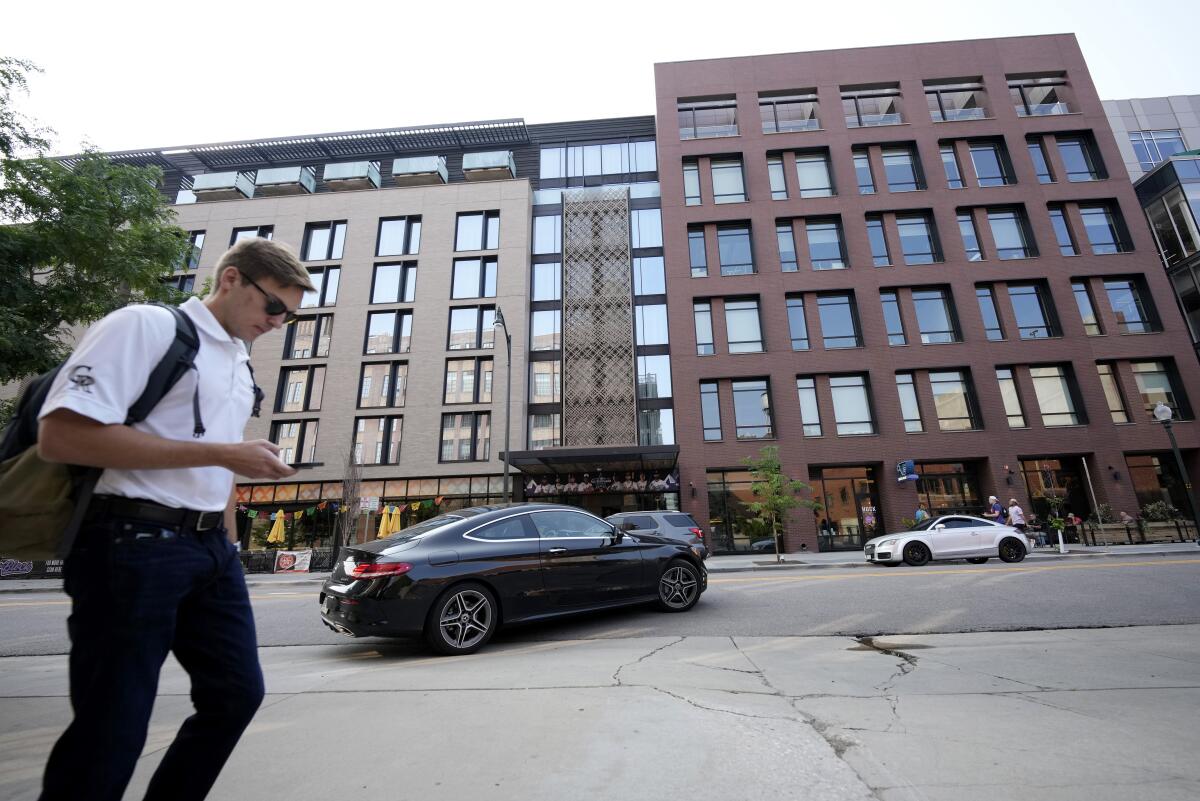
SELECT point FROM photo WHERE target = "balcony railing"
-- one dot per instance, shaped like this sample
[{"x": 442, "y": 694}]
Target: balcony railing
[
  {"x": 222, "y": 186},
  {"x": 286, "y": 181},
  {"x": 352, "y": 175},
  {"x": 490, "y": 166},
  {"x": 419, "y": 171}
]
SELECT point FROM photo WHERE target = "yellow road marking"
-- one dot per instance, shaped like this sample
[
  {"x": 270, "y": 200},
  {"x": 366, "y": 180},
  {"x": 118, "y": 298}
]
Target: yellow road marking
[{"x": 889, "y": 573}]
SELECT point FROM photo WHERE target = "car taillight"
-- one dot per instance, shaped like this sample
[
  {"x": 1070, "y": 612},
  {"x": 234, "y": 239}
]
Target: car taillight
[
  {"x": 380, "y": 570},
  {"x": 699, "y": 532}
]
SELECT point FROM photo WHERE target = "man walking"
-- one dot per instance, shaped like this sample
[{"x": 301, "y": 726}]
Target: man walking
[{"x": 154, "y": 569}]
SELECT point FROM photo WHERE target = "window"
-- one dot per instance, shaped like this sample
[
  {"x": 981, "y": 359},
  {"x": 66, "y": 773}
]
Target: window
[
  {"x": 1038, "y": 95},
  {"x": 466, "y": 437},
  {"x": 778, "y": 181},
  {"x": 377, "y": 440},
  {"x": 196, "y": 242},
  {"x": 910, "y": 409},
  {"x": 472, "y": 327},
  {"x": 935, "y": 316},
  {"x": 786, "y": 238},
  {"x": 547, "y": 281},
  {"x": 1010, "y": 232},
  {"x": 810, "y": 414},
  {"x": 382, "y": 384},
  {"x": 710, "y": 411},
  {"x": 654, "y": 376},
  {"x": 839, "y": 321},
  {"x": 609, "y": 158},
  {"x": 956, "y": 101},
  {"x": 691, "y": 183},
  {"x": 797, "y": 324},
  {"x": 729, "y": 183},
  {"x": 296, "y": 440},
  {"x": 863, "y": 173},
  {"x": 826, "y": 248},
  {"x": 262, "y": 231},
  {"x": 512, "y": 528},
  {"x": 970, "y": 236},
  {"x": 1080, "y": 158},
  {"x": 656, "y": 427},
  {"x": 953, "y": 400},
  {"x": 1104, "y": 229},
  {"x": 182, "y": 283},
  {"x": 707, "y": 118},
  {"x": 871, "y": 106},
  {"x": 326, "y": 282},
  {"x": 987, "y": 310},
  {"x": 918, "y": 238},
  {"x": 1037, "y": 154},
  {"x": 1031, "y": 306},
  {"x": 793, "y": 111},
  {"x": 308, "y": 337},
  {"x": 1174, "y": 226},
  {"x": 645, "y": 228},
  {"x": 477, "y": 231},
  {"x": 324, "y": 241},
  {"x": 398, "y": 236},
  {"x": 813, "y": 175},
  {"x": 1153, "y": 147},
  {"x": 702, "y": 312},
  {"x": 473, "y": 278},
  {"x": 394, "y": 283},
  {"x": 1011, "y": 397},
  {"x": 567, "y": 524},
  {"x": 891, "y": 317},
  {"x": 697, "y": 254},
  {"x": 1157, "y": 383},
  {"x": 851, "y": 405},
  {"x": 650, "y": 324},
  {"x": 648, "y": 276},
  {"x": 300, "y": 389},
  {"x": 1113, "y": 395},
  {"x": 1130, "y": 305},
  {"x": 1062, "y": 232},
  {"x": 1087, "y": 310},
  {"x": 954, "y": 179},
  {"x": 389, "y": 332},
  {"x": 902, "y": 169},
  {"x": 752, "y": 410},
  {"x": 878, "y": 239},
  {"x": 736, "y": 254},
  {"x": 545, "y": 431},
  {"x": 469, "y": 381},
  {"x": 1054, "y": 395},
  {"x": 547, "y": 234},
  {"x": 545, "y": 329},
  {"x": 743, "y": 327},
  {"x": 545, "y": 382},
  {"x": 992, "y": 167}
]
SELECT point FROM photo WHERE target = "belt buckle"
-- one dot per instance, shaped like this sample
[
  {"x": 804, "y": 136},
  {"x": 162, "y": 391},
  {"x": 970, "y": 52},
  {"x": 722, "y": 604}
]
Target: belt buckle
[{"x": 206, "y": 521}]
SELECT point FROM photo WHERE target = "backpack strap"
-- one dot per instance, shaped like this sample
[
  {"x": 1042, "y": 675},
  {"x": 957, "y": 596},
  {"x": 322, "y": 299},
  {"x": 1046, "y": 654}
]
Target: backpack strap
[{"x": 178, "y": 360}]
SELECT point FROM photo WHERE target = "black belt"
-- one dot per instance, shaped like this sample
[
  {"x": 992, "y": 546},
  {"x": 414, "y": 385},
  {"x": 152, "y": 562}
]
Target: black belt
[{"x": 151, "y": 512}]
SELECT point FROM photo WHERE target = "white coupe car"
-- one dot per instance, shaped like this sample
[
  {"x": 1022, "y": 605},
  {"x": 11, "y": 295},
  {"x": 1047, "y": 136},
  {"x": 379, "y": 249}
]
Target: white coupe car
[{"x": 975, "y": 539}]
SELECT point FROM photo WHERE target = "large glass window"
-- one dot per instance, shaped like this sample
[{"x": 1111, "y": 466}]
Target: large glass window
[
  {"x": 648, "y": 276},
  {"x": 752, "y": 409},
  {"x": 710, "y": 411},
  {"x": 707, "y": 118},
  {"x": 813, "y": 174},
  {"x": 398, "y": 236},
  {"x": 1174, "y": 226},
  {"x": 810, "y": 413},
  {"x": 469, "y": 381},
  {"x": 1011, "y": 397},
  {"x": 547, "y": 234},
  {"x": 871, "y": 107},
  {"x": 1153, "y": 147},
  {"x": 1129, "y": 302},
  {"x": 377, "y": 440},
  {"x": 1062, "y": 232},
  {"x": 1039, "y": 95},
  {"x": 1031, "y": 306},
  {"x": 654, "y": 376},
  {"x": 301, "y": 389},
  {"x": 956, "y": 101},
  {"x": 839, "y": 321},
  {"x": 326, "y": 283},
  {"x": 1011, "y": 234},
  {"x": 794, "y": 111},
  {"x": 192, "y": 260},
  {"x": 851, "y": 405},
  {"x": 935, "y": 316},
  {"x": 1156, "y": 478},
  {"x": 987, "y": 309},
  {"x": 702, "y": 312},
  {"x": 545, "y": 431},
  {"x": 953, "y": 400},
  {"x": 1053, "y": 389},
  {"x": 478, "y": 230},
  {"x": 733, "y": 245},
  {"x": 324, "y": 241},
  {"x": 954, "y": 179},
  {"x": 472, "y": 327},
  {"x": 891, "y": 317},
  {"x": 918, "y": 238},
  {"x": 1079, "y": 158},
  {"x": 389, "y": 332},
  {"x": 382, "y": 384},
  {"x": 645, "y": 228},
  {"x": 651, "y": 324},
  {"x": 545, "y": 381},
  {"x": 296, "y": 439},
  {"x": 1037, "y": 154},
  {"x": 796, "y": 323},
  {"x": 910, "y": 408},
  {"x": 1103, "y": 228},
  {"x": 1113, "y": 396},
  {"x": 729, "y": 182},
  {"x": 743, "y": 326},
  {"x": 545, "y": 330},
  {"x": 878, "y": 240},
  {"x": 990, "y": 160},
  {"x": 473, "y": 278},
  {"x": 902, "y": 168},
  {"x": 786, "y": 238},
  {"x": 697, "y": 255},
  {"x": 776, "y": 175},
  {"x": 547, "y": 281},
  {"x": 1087, "y": 310},
  {"x": 826, "y": 247},
  {"x": 261, "y": 231},
  {"x": 309, "y": 337},
  {"x": 466, "y": 437},
  {"x": 394, "y": 283},
  {"x": 970, "y": 236},
  {"x": 691, "y": 183},
  {"x": 1156, "y": 384},
  {"x": 656, "y": 426},
  {"x": 863, "y": 173}
]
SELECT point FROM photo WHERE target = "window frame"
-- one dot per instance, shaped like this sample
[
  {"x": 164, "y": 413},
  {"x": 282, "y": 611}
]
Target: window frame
[
  {"x": 477, "y": 380},
  {"x": 385, "y": 450},
  {"x": 474, "y": 455},
  {"x": 398, "y": 328},
  {"x": 334, "y": 245},
  {"x": 395, "y": 386},
  {"x": 412, "y": 231}
]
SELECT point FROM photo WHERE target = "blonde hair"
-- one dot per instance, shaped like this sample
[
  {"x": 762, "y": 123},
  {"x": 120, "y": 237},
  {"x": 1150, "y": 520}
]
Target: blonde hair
[{"x": 257, "y": 258}]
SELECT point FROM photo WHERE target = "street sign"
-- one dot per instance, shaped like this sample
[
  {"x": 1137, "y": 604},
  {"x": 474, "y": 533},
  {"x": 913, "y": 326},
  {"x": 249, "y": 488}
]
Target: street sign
[
  {"x": 369, "y": 504},
  {"x": 906, "y": 471}
]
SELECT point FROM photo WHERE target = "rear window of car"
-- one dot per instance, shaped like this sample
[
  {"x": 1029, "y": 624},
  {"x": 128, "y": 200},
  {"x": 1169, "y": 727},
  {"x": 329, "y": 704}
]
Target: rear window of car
[
  {"x": 637, "y": 521},
  {"x": 681, "y": 521}
]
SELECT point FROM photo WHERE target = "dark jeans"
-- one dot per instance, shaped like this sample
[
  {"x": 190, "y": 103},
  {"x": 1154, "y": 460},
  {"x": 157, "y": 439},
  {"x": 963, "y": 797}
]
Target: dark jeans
[{"x": 133, "y": 601}]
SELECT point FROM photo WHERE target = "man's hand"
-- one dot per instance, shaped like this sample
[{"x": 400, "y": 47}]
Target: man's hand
[{"x": 257, "y": 458}]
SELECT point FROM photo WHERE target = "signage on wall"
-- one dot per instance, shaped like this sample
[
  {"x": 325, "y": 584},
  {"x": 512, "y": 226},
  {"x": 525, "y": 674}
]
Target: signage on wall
[
  {"x": 587, "y": 484},
  {"x": 906, "y": 471}
]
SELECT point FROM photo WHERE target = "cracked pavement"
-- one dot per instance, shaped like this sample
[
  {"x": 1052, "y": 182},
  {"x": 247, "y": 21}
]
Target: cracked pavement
[{"x": 1068, "y": 714}]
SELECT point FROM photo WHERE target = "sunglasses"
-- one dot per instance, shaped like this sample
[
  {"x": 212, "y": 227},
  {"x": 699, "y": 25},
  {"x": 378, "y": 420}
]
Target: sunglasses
[{"x": 274, "y": 305}]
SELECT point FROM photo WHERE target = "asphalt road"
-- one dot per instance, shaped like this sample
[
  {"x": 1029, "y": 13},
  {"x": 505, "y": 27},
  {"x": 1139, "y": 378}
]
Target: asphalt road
[{"x": 943, "y": 598}]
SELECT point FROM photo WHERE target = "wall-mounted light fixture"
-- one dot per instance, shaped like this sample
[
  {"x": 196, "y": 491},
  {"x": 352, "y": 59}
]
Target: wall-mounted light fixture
[
  {"x": 692, "y": 488},
  {"x": 1115, "y": 474}
]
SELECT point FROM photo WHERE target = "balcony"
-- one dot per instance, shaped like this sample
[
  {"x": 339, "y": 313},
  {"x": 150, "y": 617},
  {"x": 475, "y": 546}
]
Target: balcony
[
  {"x": 277, "y": 181},
  {"x": 420, "y": 171},
  {"x": 494, "y": 165},
  {"x": 222, "y": 186},
  {"x": 352, "y": 175}
]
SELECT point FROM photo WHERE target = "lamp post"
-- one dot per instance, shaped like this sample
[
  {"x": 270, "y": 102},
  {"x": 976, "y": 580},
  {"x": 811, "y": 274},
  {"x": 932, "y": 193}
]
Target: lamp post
[
  {"x": 1163, "y": 414},
  {"x": 499, "y": 323}
]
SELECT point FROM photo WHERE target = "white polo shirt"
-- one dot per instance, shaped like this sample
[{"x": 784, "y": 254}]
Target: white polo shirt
[{"x": 108, "y": 372}]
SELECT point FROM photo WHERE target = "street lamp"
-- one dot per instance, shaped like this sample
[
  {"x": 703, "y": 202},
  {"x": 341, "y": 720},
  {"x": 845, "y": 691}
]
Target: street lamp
[
  {"x": 499, "y": 323},
  {"x": 1163, "y": 414}
]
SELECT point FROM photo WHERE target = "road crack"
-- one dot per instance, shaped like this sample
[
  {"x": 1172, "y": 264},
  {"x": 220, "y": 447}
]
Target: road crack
[{"x": 617, "y": 675}]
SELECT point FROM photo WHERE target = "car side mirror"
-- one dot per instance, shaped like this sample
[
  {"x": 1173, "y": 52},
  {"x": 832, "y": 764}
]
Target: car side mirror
[
  {"x": 619, "y": 533},
  {"x": 939, "y": 527}
]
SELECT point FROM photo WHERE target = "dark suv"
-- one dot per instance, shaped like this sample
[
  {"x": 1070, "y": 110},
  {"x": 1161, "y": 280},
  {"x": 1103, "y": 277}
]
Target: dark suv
[{"x": 675, "y": 525}]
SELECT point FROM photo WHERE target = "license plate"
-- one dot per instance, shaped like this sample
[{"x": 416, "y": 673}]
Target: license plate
[{"x": 330, "y": 604}]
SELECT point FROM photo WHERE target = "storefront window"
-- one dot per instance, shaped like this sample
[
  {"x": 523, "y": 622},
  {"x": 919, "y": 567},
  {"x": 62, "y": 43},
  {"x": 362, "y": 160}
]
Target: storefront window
[
  {"x": 1055, "y": 482},
  {"x": 1155, "y": 478},
  {"x": 851, "y": 513},
  {"x": 949, "y": 488}
]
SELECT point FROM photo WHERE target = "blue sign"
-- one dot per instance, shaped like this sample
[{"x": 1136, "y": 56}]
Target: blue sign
[{"x": 906, "y": 471}]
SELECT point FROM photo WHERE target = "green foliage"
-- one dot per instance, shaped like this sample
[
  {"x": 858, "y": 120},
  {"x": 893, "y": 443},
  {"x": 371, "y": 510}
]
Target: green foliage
[
  {"x": 8, "y": 407},
  {"x": 775, "y": 492},
  {"x": 18, "y": 136},
  {"x": 1104, "y": 514},
  {"x": 907, "y": 522},
  {"x": 1159, "y": 512}
]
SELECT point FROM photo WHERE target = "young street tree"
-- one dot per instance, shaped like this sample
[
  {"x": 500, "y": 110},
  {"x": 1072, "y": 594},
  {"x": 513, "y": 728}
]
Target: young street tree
[{"x": 776, "y": 494}]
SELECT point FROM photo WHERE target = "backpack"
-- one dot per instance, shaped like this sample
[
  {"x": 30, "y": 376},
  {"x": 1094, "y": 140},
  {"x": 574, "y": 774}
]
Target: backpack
[{"x": 42, "y": 503}]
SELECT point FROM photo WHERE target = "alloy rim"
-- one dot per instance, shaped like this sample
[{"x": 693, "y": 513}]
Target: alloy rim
[
  {"x": 677, "y": 587},
  {"x": 466, "y": 619}
]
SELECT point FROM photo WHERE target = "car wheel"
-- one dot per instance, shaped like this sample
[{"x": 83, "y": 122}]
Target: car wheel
[
  {"x": 1011, "y": 550},
  {"x": 679, "y": 586},
  {"x": 462, "y": 620},
  {"x": 977, "y": 560},
  {"x": 916, "y": 554}
]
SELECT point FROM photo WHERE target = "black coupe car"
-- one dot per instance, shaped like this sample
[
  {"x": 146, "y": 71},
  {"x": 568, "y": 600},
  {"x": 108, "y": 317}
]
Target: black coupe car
[{"x": 457, "y": 577}]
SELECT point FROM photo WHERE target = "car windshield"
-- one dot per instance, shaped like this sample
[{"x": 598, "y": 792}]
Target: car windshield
[
  {"x": 924, "y": 525},
  {"x": 425, "y": 527}
]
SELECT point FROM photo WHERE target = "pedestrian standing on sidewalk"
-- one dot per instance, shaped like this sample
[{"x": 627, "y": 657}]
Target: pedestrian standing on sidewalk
[
  {"x": 1016, "y": 519},
  {"x": 154, "y": 569},
  {"x": 996, "y": 510}
]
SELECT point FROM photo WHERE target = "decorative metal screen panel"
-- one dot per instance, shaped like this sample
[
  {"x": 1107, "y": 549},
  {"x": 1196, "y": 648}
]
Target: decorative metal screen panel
[{"x": 599, "y": 388}]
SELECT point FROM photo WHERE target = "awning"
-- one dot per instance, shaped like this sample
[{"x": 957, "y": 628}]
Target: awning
[{"x": 552, "y": 461}]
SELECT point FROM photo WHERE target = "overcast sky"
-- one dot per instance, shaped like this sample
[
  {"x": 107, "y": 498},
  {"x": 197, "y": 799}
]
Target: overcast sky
[{"x": 125, "y": 75}]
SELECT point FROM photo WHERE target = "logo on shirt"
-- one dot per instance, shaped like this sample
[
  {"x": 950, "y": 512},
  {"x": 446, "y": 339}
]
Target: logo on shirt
[{"x": 81, "y": 378}]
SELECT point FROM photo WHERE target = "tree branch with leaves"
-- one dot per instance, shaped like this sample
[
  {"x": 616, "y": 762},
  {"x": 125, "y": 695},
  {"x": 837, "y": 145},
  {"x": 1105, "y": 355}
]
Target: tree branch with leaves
[{"x": 776, "y": 494}]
